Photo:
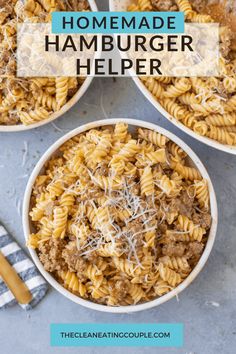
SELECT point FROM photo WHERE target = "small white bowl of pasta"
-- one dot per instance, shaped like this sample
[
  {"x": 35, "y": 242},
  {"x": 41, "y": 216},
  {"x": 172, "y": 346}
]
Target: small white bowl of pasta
[
  {"x": 219, "y": 129},
  {"x": 109, "y": 280},
  {"x": 47, "y": 107}
]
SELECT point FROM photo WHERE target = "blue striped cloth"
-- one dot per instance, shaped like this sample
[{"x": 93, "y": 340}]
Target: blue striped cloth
[{"x": 25, "y": 269}]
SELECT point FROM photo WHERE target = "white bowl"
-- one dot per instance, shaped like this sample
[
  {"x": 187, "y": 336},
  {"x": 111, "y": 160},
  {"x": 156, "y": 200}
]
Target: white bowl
[
  {"x": 65, "y": 108},
  {"x": 121, "y": 5},
  {"x": 131, "y": 308}
]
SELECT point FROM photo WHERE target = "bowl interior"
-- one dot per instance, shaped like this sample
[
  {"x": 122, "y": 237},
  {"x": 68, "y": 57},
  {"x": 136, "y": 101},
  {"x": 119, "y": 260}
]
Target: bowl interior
[
  {"x": 28, "y": 228},
  {"x": 121, "y": 5},
  {"x": 69, "y": 104}
]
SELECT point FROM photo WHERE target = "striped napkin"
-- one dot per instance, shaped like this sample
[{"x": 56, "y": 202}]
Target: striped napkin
[{"x": 25, "y": 269}]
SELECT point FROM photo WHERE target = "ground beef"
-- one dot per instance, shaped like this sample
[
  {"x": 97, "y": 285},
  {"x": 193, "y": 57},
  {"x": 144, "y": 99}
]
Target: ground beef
[
  {"x": 134, "y": 230},
  {"x": 72, "y": 257},
  {"x": 74, "y": 261},
  {"x": 156, "y": 251},
  {"x": 225, "y": 44},
  {"x": 161, "y": 229},
  {"x": 3, "y": 3},
  {"x": 79, "y": 5},
  {"x": 194, "y": 251},
  {"x": 204, "y": 220},
  {"x": 11, "y": 67},
  {"x": 136, "y": 225},
  {"x": 186, "y": 199},
  {"x": 221, "y": 90},
  {"x": 73, "y": 5},
  {"x": 183, "y": 204},
  {"x": 198, "y": 5},
  {"x": 50, "y": 254},
  {"x": 174, "y": 249},
  {"x": 5, "y": 55},
  {"x": 6, "y": 7},
  {"x": 215, "y": 6},
  {"x": 119, "y": 289},
  {"x": 72, "y": 91},
  {"x": 14, "y": 84},
  {"x": 12, "y": 118},
  {"x": 6, "y": 63},
  {"x": 7, "y": 119},
  {"x": 164, "y": 5}
]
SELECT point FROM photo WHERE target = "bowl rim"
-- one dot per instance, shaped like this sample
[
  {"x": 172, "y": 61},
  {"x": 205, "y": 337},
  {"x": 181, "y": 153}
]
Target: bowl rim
[
  {"x": 203, "y": 139},
  {"x": 130, "y": 308},
  {"x": 69, "y": 104}
]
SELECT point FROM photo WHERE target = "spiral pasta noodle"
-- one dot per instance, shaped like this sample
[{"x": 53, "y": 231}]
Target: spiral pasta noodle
[
  {"x": 71, "y": 282},
  {"x": 185, "y": 6},
  {"x": 60, "y": 221},
  {"x": 34, "y": 116},
  {"x": 169, "y": 275},
  {"x": 195, "y": 231},
  {"x": 147, "y": 183}
]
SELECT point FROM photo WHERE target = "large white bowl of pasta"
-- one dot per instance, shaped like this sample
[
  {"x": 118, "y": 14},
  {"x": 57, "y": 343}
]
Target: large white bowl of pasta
[
  {"x": 119, "y": 215},
  {"x": 28, "y": 103},
  {"x": 204, "y": 108}
]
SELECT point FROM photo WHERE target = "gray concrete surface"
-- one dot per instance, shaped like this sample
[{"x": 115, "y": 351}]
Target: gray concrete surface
[{"x": 207, "y": 308}]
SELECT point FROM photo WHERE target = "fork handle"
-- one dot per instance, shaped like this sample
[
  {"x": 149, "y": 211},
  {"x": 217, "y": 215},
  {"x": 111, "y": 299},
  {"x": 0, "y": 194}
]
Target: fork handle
[{"x": 14, "y": 282}]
